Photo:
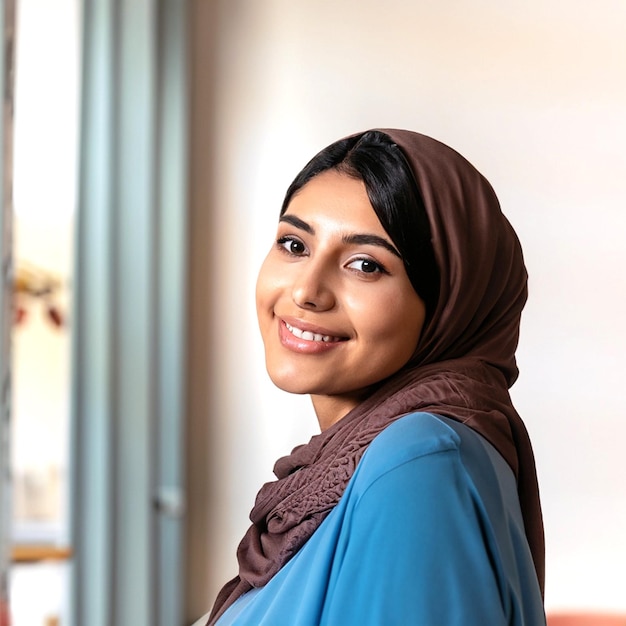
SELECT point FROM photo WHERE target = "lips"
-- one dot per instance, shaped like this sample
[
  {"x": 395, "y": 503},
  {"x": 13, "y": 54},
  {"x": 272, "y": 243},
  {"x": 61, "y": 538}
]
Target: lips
[{"x": 304, "y": 338}]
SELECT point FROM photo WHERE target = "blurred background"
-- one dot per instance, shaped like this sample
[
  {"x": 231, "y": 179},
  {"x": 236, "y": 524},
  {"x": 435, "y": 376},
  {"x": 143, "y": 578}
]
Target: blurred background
[{"x": 153, "y": 141}]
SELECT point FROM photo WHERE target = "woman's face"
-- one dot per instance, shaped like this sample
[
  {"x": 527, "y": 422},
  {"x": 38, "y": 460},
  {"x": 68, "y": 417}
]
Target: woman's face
[{"x": 336, "y": 309}]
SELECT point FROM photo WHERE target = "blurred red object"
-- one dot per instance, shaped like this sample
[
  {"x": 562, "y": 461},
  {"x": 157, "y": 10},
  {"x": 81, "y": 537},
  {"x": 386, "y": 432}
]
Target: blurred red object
[
  {"x": 20, "y": 314},
  {"x": 586, "y": 619},
  {"x": 54, "y": 315},
  {"x": 5, "y": 620}
]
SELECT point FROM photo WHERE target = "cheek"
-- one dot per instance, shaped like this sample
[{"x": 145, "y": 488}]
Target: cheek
[
  {"x": 268, "y": 287},
  {"x": 393, "y": 326},
  {"x": 261, "y": 290}
]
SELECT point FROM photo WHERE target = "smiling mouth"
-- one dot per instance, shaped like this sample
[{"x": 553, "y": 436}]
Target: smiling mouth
[{"x": 309, "y": 336}]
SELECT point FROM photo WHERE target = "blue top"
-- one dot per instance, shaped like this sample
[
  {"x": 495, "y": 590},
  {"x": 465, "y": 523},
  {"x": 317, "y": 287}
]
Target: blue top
[{"x": 428, "y": 531}]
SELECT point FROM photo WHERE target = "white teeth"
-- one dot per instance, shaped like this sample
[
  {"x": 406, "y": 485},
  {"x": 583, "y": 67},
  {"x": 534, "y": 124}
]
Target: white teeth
[{"x": 307, "y": 335}]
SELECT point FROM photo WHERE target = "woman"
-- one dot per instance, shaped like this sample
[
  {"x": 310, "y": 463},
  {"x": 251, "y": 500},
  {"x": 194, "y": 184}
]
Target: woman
[{"x": 392, "y": 296}]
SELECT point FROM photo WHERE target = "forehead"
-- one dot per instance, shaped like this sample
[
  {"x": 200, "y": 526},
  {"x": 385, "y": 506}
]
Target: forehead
[{"x": 332, "y": 197}]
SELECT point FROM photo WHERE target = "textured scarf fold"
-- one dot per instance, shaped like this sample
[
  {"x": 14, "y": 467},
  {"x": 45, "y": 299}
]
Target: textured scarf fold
[{"x": 462, "y": 369}]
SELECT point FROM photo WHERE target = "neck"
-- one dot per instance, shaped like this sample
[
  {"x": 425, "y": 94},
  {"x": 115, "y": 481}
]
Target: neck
[{"x": 330, "y": 409}]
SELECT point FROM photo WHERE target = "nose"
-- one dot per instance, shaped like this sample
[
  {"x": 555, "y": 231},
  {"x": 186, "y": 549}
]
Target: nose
[{"x": 312, "y": 289}]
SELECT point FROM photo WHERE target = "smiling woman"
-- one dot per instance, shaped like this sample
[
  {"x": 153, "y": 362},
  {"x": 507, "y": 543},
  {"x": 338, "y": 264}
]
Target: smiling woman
[
  {"x": 392, "y": 295},
  {"x": 332, "y": 265}
]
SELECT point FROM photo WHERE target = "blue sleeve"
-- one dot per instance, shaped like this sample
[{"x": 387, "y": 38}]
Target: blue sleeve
[{"x": 415, "y": 552}]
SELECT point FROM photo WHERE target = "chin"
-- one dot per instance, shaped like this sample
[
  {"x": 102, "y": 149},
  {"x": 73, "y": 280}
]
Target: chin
[
  {"x": 295, "y": 380},
  {"x": 291, "y": 384}
]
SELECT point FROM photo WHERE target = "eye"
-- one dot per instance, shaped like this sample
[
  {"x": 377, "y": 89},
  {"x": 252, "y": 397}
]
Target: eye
[
  {"x": 367, "y": 266},
  {"x": 291, "y": 245}
]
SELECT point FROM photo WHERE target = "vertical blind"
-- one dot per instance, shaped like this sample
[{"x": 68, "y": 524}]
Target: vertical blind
[{"x": 128, "y": 365}]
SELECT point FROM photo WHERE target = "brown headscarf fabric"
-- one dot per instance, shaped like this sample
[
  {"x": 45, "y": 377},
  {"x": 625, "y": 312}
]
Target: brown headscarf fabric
[{"x": 462, "y": 369}]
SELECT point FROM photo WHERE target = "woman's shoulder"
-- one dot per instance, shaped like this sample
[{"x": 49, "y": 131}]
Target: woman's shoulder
[
  {"x": 418, "y": 438},
  {"x": 408, "y": 438}
]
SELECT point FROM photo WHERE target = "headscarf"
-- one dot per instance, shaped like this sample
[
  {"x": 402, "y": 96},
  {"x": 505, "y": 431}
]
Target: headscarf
[{"x": 463, "y": 367}]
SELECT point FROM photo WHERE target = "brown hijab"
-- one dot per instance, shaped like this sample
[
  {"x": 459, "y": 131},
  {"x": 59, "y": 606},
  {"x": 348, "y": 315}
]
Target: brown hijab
[{"x": 462, "y": 369}]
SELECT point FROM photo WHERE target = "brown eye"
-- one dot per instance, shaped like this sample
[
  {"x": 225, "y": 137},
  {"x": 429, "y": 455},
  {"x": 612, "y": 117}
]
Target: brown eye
[
  {"x": 366, "y": 266},
  {"x": 369, "y": 267},
  {"x": 292, "y": 245}
]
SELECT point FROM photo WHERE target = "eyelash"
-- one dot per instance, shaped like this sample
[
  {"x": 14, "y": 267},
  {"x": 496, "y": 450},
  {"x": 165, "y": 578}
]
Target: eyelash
[
  {"x": 282, "y": 241},
  {"x": 379, "y": 269}
]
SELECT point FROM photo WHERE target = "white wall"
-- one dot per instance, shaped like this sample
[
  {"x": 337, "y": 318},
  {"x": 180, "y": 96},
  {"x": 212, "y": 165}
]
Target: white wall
[{"x": 534, "y": 95}]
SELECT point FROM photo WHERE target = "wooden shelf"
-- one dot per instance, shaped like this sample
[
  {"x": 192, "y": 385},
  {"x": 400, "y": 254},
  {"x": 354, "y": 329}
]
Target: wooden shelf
[{"x": 27, "y": 553}]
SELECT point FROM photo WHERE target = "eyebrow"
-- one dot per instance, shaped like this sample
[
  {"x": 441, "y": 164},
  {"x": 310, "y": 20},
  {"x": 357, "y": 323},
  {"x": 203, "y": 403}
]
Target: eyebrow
[
  {"x": 370, "y": 240},
  {"x": 298, "y": 223},
  {"x": 356, "y": 239}
]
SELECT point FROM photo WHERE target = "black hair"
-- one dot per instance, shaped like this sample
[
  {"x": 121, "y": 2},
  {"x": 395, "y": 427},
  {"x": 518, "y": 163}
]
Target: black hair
[{"x": 394, "y": 195}]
